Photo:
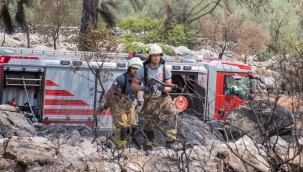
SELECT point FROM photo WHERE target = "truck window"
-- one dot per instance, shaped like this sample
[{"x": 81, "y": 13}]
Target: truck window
[{"x": 239, "y": 88}]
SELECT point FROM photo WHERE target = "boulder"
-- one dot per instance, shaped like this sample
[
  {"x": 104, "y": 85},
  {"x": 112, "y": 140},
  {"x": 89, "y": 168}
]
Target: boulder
[
  {"x": 14, "y": 124},
  {"x": 74, "y": 138},
  {"x": 245, "y": 119},
  {"x": 193, "y": 130},
  {"x": 182, "y": 50},
  {"x": 29, "y": 150}
]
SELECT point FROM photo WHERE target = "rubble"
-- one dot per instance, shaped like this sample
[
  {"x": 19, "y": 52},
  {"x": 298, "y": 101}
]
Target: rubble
[
  {"x": 14, "y": 124},
  {"x": 199, "y": 148}
]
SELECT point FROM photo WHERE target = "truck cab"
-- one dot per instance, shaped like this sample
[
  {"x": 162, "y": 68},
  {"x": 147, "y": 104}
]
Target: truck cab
[{"x": 220, "y": 86}]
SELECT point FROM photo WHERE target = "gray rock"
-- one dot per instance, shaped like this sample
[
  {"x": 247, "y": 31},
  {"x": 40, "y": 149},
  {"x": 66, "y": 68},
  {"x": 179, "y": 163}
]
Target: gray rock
[
  {"x": 192, "y": 130},
  {"x": 182, "y": 50},
  {"x": 15, "y": 124},
  {"x": 244, "y": 119},
  {"x": 74, "y": 138},
  {"x": 6, "y": 107},
  {"x": 7, "y": 165},
  {"x": 28, "y": 150}
]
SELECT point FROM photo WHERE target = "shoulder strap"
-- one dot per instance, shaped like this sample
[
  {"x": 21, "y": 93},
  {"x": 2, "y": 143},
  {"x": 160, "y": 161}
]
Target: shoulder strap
[
  {"x": 145, "y": 74},
  {"x": 125, "y": 82},
  {"x": 164, "y": 75}
]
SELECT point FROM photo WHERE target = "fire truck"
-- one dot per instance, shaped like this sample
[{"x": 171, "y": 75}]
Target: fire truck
[{"x": 57, "y": 87}]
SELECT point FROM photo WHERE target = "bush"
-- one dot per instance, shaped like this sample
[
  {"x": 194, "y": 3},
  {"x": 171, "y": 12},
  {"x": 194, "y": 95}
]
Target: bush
[
  {"x": 179, "y": 35},
  {"x": 145, "y": 24},
  {"x": 167, "y": 50},
  {"x": 131, "y": 47},
  {"x": 264, "y": 56},
  {"x": 126, "y": 23},
  {"x": 128, "y": 38}
]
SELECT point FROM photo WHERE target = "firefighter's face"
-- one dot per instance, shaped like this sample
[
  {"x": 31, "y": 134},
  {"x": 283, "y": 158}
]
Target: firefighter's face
[
  {"x": 132, "y": 71},
  {"x": 155, "y": 58}
]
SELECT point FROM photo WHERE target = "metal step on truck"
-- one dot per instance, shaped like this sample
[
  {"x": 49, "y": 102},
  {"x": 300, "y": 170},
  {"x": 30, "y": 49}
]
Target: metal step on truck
[{"x": 57, "y": 87}]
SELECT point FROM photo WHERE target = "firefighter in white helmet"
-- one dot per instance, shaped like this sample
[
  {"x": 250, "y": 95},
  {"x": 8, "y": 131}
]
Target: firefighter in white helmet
[
  {"x": 120, "y": 99},
  {"x": 158, "y": 108}
]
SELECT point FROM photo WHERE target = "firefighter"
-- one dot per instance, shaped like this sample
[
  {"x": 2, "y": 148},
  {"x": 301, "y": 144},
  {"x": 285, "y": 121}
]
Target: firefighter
[
  {"x": 158, "y": 108},
  {"x": 120, "y": 99}
]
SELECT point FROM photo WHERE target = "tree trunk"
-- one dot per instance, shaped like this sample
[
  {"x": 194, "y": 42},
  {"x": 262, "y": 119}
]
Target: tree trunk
[
  {"x": 55, "y": 38},
  {"x": 89, "y": 15},
  {"x": 89, "y": 21},
  {"x": 223, "y": 49},
  {"x": 27, "y": 35},
  {"x": 55, "y": 45},
  {"x": 3, "y": 40}
]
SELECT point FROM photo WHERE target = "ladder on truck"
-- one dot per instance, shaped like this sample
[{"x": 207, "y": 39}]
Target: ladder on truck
[
  {"x": 69, "y": 54},
  {"x": 55, "y": 53}
]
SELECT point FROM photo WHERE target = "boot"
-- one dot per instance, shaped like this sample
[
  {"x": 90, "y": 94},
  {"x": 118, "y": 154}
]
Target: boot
[
  {"x": 149, "y": 139},
  {"x": 137, "y": 136},
  {"x": 170, "y": 136},
  {"x": 123, "y": 133},
  {"x": 150, "y": 135},
  {"x": 133, "y": 130},
  {"x": 121, "y": 144}
]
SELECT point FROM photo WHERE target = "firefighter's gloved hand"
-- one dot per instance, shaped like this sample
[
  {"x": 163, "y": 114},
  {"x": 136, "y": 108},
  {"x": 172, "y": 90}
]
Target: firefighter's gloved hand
[
  {"x": 146, "y": 88},
  {"x": 139, "y": 103}
]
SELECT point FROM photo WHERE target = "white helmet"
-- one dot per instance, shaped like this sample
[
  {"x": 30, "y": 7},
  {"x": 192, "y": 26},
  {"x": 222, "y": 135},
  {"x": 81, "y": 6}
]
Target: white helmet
[
  {"x": 135, "y": 62},
  {"x": 155, "y": 49}
]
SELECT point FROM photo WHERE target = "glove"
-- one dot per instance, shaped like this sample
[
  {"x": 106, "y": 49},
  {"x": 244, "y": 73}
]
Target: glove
[
  {"x": 161, "y": 88},
  {"x": 139, "y": 103},
  {"x": 146, "y": 88}
]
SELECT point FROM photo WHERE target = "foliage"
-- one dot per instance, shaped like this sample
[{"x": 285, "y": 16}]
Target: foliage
[
  {"x": 98, "y": 40},
  {"x": 134, "y": 25},
  {"x": 226, "y": 28},
  {"x": 132, "y": 47},
  {"x": 141, "y": 8},
  {"x": 155, "y": 32},
  {"x": 167, "y": 50},
  {"x": 128, "y": 38},
  {"x": 264, "y": 56}
]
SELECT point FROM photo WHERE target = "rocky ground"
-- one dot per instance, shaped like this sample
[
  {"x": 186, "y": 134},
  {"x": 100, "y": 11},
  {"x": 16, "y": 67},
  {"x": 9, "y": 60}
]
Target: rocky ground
[{"x": 199, "y": 148}]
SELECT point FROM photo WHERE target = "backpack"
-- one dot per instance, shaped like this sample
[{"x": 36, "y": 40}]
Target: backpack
[{"x": 125, "y": 81}]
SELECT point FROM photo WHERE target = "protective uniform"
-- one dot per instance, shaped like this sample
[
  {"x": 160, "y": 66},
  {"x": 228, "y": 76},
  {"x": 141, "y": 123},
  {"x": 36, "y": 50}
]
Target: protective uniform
[
  {"x": 158, "y": 110},
  {"x": 123, "y": 111}
]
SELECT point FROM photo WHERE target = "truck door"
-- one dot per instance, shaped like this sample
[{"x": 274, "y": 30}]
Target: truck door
[
  {"x": 190, "y": 90},
  {"x": 24, "y": 86},
  {"x": 232, "y": 90}
]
